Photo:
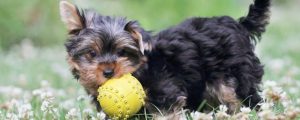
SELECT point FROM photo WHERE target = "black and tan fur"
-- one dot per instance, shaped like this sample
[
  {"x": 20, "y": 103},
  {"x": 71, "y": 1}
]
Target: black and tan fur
[{"x": 199, "y": 59}]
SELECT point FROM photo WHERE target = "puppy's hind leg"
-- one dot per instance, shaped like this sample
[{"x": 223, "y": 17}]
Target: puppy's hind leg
[{"x": 225, "y": 94}]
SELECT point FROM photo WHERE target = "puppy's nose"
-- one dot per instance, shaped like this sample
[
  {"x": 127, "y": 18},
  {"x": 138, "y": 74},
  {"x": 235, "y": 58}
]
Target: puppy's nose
[{"x": 108, "y": 73}]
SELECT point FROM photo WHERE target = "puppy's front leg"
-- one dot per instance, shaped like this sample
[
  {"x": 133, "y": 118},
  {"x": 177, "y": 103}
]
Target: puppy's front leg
[{"x": 166, "y": 97}]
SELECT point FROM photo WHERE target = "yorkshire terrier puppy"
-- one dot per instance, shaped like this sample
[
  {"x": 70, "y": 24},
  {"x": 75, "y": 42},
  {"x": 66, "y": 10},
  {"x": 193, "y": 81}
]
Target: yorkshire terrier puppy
[{"x": 201, "y": 59}]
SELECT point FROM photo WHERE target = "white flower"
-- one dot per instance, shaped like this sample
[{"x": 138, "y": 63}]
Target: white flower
[
  {"x": 272, "y": 92},
  {"x": 46, "y": 105},
  {"x": 245, "y": 110},
  {"x": 221, "y": 114},
  {"x": 243, "y": 115},
  {"x": 223, "y": 108},
  {"x": 201, "y": 116},
  {"x": 73, "y": 114},
  {"x": 100, "y": 115},
  {"x": 25, "y": 111}
]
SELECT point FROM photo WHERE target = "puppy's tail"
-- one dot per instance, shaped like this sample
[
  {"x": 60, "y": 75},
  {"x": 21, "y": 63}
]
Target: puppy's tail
[{"x": 257, "y": 18}]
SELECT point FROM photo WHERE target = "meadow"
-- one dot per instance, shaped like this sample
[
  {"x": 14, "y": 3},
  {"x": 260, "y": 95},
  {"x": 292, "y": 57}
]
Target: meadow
[{"x": 35, "y": 82}]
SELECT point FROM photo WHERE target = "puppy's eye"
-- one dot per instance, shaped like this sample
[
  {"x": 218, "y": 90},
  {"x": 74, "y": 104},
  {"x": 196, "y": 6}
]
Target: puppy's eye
[
  {"x": 121, "y": 52},
  {"x": 91, "y": 54}
]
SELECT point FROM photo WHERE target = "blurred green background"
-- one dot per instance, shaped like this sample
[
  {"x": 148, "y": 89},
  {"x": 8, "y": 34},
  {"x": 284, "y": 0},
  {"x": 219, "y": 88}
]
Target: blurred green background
[
  {"x": 39, "y": 20},
  {"x": 32, "y": 35}
]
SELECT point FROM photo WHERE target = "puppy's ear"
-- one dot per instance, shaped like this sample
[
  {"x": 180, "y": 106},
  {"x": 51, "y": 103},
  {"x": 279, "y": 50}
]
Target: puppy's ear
[
  {"x": 133, "y": 28},
  {"x": 70, "y": 16}
]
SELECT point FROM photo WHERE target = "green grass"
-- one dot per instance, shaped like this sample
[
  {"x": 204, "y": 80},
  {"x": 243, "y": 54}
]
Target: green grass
[{"x": 24, "y": 66}]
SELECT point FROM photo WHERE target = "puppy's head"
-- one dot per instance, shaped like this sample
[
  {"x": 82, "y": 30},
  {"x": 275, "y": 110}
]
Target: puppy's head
[{"x": 100, "y": 47}]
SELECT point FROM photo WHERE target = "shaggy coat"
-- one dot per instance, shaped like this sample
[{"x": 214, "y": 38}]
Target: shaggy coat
[
  {"x": 209, "y": 59},
  {"x": 201, "y": 59}
]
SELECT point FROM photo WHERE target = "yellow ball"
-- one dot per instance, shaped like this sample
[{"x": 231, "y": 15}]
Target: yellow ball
[{"x": 121, "y": 97}]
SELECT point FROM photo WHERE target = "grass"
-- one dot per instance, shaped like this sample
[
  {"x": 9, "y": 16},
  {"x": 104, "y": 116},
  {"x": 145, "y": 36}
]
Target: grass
[{"x": 37, "y": 75}]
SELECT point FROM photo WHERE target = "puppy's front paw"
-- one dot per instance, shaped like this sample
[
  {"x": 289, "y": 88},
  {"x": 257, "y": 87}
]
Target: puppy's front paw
[{"x": 179, "y": 103}]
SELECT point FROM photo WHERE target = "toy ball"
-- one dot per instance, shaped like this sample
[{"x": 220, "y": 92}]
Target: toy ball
[{"x": 121, "y": 97}]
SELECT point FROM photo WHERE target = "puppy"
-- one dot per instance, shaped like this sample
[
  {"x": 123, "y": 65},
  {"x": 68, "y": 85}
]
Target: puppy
[{"x": 200, "y": 59}]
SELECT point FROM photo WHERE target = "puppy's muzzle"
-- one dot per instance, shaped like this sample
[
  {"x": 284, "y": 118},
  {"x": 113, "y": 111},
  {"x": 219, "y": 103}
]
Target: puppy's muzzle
[{"x": 108, "y": 73}]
